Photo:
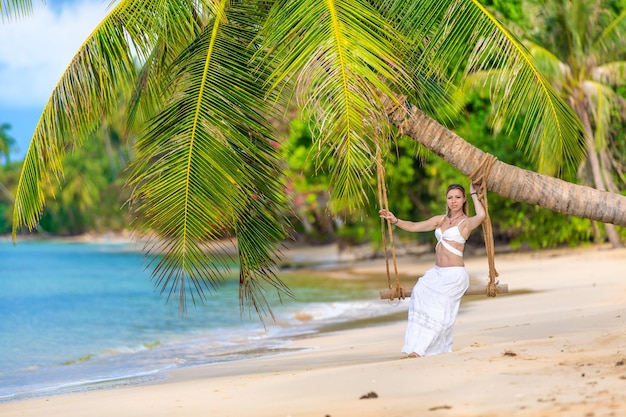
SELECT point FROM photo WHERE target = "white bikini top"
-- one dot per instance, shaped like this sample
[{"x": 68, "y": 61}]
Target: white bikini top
[{"x": 452, "y": 234}]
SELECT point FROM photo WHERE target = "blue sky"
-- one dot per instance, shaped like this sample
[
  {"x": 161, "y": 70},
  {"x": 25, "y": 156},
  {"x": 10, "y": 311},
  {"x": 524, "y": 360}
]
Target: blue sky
[{"x": 34, "y": 52}]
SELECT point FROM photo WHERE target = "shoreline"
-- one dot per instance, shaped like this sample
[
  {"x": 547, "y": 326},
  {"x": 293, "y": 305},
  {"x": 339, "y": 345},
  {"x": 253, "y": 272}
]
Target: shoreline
[
  {"x": 273, "y": 346},
  {"x": 556, "y": 350}
]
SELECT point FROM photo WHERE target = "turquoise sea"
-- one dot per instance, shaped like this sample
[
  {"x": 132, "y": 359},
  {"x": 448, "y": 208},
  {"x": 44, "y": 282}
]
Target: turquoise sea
[{"x": 77, "y": 316}]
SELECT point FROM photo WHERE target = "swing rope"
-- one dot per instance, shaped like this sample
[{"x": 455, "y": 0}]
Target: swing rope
[
  {"x": 479, "y": 179},
  {"x": 386, "y": 229}
]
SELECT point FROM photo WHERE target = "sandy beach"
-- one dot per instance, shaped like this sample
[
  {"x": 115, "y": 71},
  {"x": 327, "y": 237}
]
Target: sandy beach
[{"x": 554, "y": 346}]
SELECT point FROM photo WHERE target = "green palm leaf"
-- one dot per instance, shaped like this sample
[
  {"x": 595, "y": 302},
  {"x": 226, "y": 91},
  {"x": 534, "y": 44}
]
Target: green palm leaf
[
  {"x": 339, "y": 54},
  {"x": 612, "y": 73},
  {"x": 207, "y": 164},
  {"x": 86, "y": 90},
  {"x": 463, "y": 38},
  {"x": 15, "y": 8},
  {"x": 611, "y": 40},
  {"x": 103, "y": 69}
]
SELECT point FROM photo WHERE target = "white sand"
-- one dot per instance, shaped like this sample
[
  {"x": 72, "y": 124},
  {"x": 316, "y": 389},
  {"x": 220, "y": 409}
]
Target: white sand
[{"x": 556, "y": 351}]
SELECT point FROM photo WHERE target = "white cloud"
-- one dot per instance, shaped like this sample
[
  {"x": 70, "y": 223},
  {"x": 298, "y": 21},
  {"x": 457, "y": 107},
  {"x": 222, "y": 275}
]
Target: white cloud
[{"x": 36, "y": 49}]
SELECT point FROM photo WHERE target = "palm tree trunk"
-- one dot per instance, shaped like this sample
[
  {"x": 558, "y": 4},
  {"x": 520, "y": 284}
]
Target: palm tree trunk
[{"x": 507, "y": 180}]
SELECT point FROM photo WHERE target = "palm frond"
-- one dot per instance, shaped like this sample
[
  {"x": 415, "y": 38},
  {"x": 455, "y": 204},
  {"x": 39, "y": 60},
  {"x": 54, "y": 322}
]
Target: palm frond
[
  {"x": 343, "y": 54},
  {"x": 15, "y": 9},
  {"x": 103, "y": 69},
  {"x": 179, "y": 22},
  {"x": 611, "y": 40},
  {"x": 465, "y": 32},
  {"x": 612, "y": 73},
  {"x": 257, "y": 255},
  {"x": 206, "y": 163},
  {"x": 87, "y": 89},
  {"x": 428, "y": 89}
]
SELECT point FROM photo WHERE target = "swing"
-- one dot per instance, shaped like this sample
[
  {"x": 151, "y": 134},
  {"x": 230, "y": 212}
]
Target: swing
[{"x": 478, "y": 177}]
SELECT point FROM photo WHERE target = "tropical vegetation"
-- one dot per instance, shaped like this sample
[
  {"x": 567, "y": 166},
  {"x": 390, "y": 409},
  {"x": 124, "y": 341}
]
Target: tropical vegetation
[
  {"x": 210, "y": 82},
  {"x": 574, "y": 44}
]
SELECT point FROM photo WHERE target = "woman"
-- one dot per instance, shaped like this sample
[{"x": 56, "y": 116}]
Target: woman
[{"x": 436, "y": 297}]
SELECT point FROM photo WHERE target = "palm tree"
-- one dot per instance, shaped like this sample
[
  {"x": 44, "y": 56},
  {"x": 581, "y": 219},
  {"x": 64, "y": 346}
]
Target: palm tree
[
  {"x": 579, "y": 50},
  {"x": 215, "y": 74},
  {"x": 6, "y": 145},
  {"x": 6, "y": 142}
]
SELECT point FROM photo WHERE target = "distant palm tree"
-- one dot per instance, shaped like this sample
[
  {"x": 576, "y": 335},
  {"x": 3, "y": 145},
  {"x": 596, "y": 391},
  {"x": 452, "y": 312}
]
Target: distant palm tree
[
  {"x": 6, "y": 146},
  {"x": 215, "y": 74},
  {"x": 6, "y": 142},
  {"x": 579, "y": 48}
]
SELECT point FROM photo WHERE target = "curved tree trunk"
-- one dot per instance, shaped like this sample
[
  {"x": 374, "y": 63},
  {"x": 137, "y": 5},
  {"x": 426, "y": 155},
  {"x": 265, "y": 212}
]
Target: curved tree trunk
[{"x": 507, "y": 180}]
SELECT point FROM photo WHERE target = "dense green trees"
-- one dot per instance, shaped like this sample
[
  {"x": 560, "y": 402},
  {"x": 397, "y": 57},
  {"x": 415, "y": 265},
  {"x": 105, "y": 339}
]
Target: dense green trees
[{"x": 91, "y": 198}]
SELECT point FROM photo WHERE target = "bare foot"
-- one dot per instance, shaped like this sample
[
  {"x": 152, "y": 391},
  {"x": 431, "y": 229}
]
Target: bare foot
[{"x": 411, "y": 355}]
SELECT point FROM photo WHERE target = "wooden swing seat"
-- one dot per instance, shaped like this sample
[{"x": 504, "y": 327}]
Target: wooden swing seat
[{"x": 472, "y": 290}]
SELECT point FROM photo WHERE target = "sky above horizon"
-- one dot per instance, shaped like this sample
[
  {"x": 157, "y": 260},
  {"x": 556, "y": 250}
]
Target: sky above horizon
[{"x": 34, "y": 52}]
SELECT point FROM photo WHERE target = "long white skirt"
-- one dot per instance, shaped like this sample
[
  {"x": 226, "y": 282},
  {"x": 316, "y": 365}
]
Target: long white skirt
[{"x": 433, "y": 308}]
